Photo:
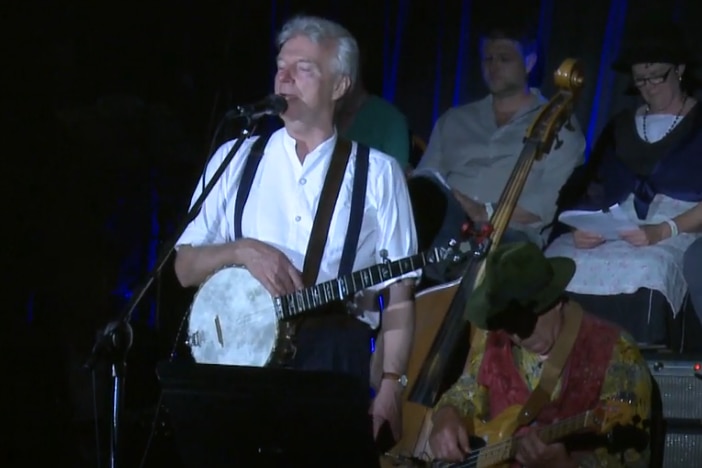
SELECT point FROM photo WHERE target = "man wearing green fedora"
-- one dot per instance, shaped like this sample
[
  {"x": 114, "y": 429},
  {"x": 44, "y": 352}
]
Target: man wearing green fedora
[{"x": 543, "y": 355}]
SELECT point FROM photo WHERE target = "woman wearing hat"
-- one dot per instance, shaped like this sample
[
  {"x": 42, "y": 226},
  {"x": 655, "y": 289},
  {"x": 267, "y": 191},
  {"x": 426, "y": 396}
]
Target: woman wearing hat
[{"x": 652, "y": 168}]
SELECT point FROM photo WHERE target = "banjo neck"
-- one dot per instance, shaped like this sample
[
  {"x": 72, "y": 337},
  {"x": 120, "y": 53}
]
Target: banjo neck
[{"x": 307, "y": 299}]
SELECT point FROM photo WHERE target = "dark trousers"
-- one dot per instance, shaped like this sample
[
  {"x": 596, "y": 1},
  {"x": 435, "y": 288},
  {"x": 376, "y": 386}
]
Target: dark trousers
[
  {"x": 334, "y": 342},
  {"x": 337, "y": 342}
]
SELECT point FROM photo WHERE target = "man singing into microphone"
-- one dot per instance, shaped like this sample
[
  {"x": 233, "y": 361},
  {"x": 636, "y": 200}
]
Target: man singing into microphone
[{"x": 317, "y": 63}]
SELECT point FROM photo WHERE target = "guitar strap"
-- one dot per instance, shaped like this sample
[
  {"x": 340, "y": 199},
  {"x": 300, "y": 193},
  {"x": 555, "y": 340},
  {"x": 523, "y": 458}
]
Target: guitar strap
[
  {"x": 320, "y": 231},
  {"x": 477, "y": 338},
  {"x": 322, "y": 220},
  {"x": 553, "y": 366}
]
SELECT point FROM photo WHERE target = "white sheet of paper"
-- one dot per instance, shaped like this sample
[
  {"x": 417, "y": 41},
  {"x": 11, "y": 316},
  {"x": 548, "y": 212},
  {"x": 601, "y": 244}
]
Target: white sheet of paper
[{"x": 607, "y": 224}]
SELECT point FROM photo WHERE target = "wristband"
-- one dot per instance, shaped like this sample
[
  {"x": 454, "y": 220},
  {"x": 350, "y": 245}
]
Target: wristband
[{"x": 673, "y": 227}]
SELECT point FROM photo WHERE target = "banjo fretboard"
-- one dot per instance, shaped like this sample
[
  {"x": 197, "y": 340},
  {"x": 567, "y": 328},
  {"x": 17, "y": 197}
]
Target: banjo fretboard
[{"x": 304, "y": 300}]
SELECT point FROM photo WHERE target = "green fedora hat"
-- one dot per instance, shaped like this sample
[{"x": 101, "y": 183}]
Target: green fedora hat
[{"x": 517, "y": 277}]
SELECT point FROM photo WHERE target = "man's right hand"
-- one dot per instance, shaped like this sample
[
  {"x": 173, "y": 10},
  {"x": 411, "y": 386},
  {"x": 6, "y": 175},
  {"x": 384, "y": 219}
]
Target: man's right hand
[
  {"x": 449, "y": 439},
  {"x": 270, "y": 266},
  {"x": 586, "y": 240}
]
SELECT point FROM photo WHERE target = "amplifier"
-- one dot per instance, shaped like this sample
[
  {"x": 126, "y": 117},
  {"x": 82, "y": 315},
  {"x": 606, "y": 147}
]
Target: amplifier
[
  {"x": 683, "y": 447},
  {"x": 679, "y": 378},
  {"x": 680, "y": 383}
]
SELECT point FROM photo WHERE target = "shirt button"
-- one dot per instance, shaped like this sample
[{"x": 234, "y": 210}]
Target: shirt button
[
  {"x": 303, "y": 181},
  {"x": 298, "y": 218}
]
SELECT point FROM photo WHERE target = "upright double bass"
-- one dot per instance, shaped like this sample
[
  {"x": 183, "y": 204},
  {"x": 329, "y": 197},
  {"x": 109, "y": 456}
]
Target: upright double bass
[{"x": 440, "y": 323}]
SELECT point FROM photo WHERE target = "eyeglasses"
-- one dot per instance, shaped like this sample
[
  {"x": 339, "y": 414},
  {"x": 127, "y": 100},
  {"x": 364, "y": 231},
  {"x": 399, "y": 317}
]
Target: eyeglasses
[{"x": 654, "y": 80}]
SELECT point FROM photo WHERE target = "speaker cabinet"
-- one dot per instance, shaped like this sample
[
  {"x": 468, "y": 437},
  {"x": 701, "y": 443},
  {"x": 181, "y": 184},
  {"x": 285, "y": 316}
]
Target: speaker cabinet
[
  {"x": 679, "y": 379},
  {"x": 683, "y": 447}
]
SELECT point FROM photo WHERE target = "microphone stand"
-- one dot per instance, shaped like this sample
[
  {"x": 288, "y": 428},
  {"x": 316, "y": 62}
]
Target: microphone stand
[{"x": 116, "y": 340}]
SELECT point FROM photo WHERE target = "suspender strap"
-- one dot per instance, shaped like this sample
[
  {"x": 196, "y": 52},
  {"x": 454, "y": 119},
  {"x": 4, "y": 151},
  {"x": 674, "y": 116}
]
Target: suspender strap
[
  {"x": 247, "y": 177},
  {"x": 554, "y": 365},
  {"x": 358, "y": 203}
]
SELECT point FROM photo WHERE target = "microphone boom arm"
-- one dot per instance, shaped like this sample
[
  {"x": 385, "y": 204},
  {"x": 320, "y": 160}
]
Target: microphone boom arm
[{"x": 272, "y": 104}]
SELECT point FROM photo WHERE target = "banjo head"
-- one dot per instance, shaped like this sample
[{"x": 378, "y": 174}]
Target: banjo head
[{"x": 232, "y": 320}]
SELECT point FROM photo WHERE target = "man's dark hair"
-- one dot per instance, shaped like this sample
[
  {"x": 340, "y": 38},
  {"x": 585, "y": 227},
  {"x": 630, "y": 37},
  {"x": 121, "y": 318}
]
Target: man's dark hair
[
  {"x": 520, "y": 29},
  {"x": 509, "y": 19}
]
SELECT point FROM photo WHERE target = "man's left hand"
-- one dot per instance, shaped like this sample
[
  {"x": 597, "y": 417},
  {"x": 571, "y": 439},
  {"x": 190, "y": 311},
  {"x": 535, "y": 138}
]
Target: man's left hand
[
  {"x": 387, "y": 407},
  {"x": 533, "y": 453},
  {"x": 648, "y": 234}
]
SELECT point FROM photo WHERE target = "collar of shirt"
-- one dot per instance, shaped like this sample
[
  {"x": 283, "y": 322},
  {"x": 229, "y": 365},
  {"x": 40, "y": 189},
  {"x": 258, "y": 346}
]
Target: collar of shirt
[
  {"x": 486, "y": 107},
  {"x": 314, "y": 157}
]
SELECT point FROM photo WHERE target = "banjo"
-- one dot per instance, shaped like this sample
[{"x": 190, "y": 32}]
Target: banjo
[{"x": 233, "y": 320}]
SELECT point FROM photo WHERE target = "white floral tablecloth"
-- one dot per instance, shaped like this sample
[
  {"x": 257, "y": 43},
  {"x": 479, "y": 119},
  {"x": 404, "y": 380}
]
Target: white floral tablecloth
[{"x": 617, "y": 267}]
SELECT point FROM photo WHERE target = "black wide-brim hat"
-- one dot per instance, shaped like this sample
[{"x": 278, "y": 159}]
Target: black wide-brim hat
[
  {"x": 654, "y": 39},
  {"x": 518, "y": 279}
]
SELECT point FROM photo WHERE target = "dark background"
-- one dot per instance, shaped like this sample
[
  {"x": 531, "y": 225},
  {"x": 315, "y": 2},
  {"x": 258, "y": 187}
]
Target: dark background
[{"x": 109, "y": 113}]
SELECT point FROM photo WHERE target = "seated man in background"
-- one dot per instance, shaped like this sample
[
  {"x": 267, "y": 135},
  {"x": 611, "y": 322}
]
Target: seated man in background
[
  {"x": 531, "y": 325},
  {"x": 473, "y": 148},
  {"x": 650, "y": 167}
]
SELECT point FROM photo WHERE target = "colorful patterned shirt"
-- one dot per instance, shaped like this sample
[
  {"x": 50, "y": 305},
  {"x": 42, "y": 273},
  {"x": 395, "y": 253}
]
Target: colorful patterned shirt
[{"x": 627, "y": 374}]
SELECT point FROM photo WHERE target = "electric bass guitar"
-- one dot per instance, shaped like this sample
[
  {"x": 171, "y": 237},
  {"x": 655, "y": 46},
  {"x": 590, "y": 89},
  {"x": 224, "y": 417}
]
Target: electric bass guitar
[{"x": 494, "y": 445}]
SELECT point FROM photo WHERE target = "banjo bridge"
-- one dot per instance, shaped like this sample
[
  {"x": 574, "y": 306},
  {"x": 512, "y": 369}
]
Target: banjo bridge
[{"x": 220, "y": 336}]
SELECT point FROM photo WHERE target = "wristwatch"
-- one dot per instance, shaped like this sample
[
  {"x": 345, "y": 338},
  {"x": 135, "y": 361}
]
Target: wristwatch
[{"x": 401, "y": 379}]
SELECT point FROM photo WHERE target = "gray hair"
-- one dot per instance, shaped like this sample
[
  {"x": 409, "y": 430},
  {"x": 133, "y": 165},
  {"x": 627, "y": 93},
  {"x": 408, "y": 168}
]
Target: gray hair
[{"x": 320, "y": 30}]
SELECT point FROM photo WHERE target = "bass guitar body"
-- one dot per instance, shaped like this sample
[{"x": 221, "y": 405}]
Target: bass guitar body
[
  {"x": 497, "y": 430},
  {"x": 490, "y": 434}
]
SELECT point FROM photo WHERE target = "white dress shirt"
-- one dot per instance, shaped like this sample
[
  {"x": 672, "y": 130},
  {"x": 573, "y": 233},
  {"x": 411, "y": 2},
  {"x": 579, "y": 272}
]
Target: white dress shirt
[{"x": 283, "y": 201}]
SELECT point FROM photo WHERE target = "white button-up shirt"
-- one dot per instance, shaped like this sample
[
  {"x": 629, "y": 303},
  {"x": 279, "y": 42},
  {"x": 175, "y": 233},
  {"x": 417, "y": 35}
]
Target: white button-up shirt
[{"x": 283, "y": 201}]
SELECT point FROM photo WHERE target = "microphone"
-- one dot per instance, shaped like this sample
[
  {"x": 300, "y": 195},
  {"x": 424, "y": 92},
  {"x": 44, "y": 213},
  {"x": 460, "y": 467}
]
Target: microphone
[{"x": 273, "y": 104}]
